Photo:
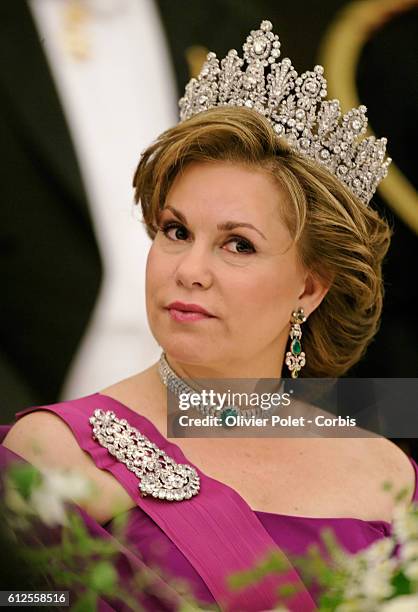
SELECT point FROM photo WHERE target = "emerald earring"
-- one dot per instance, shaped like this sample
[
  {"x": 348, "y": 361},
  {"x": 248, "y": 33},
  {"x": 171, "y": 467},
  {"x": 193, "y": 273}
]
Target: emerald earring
[{"x": 296, "y": 358}]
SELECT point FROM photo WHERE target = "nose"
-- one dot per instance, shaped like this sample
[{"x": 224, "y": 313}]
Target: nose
[{"x": 193, "y": 269}]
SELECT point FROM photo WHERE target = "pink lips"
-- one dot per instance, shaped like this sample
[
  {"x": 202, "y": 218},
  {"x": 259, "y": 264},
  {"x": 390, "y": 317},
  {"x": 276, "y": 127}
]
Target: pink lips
[{"x": 187, "y": 312}]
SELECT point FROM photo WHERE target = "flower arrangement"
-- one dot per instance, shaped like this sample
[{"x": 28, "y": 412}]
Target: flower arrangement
[
  {"x": 53, "y": 548},
  {"x": 49, "y": 546}
]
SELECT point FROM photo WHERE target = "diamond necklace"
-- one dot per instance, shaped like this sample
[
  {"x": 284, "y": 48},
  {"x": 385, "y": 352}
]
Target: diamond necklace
[{"x": 178, "y": 386}]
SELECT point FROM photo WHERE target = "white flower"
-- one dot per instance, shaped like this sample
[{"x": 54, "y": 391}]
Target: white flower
[
  {"x": 376, "y": 583},
  {"x": 66, "y": 484},
  {"x": 373, "y": 583},
  {"x": 405, "y": 524},
  {"x": 49, "y": 507},
  {"x": 411, "y": 570},
  {"x": 14, "y": 501},
  {"x": 57, "y": 487},
  {"x": 403, "y": 603},
  {"x": 352, "y": 590},
  {"x": 409, "y": 550},
  {"x": 353, "y": 564},
  {"x": 379, "y": 551},
  {"x": 359, "y": 605}
]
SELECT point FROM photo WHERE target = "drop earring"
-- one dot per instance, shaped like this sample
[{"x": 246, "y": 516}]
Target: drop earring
[{"x": 296, "y": 358}]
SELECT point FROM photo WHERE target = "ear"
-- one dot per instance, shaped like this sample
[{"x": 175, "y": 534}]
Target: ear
[{"x": 314, "y": 291}]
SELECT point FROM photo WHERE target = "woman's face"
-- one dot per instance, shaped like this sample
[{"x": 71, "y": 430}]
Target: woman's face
[{"x": 223, "y": 246}]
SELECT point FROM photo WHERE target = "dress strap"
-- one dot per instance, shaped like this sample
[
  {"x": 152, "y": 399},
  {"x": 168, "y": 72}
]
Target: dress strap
[{"x": 215, "y": 529}]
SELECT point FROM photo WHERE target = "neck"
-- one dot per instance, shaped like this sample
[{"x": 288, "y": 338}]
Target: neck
[
  {"x": 267, "y": 363},
  {"x": 244, "y": 376}
]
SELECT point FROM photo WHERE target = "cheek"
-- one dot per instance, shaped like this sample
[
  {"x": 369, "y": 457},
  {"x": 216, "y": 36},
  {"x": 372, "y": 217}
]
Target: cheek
[
  {"x": 154, "y": 275},
  {"x": 149, "y": 274},
  {"x": 156, "y": 267},
  {"x": 267, "y": 297},
  {"x": 149, "y": 268},
  {"x": 159, "y": 273}
]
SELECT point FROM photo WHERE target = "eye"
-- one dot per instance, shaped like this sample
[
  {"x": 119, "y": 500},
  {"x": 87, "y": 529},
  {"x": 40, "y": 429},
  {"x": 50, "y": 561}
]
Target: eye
[
  {"x": 177, "y": 232},
  {"x": 243, "y": 246},
  {"x": 180, "y": 232}
]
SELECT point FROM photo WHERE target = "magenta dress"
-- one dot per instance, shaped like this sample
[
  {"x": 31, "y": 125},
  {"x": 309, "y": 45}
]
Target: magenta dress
[{"x": 202, "y": 539}]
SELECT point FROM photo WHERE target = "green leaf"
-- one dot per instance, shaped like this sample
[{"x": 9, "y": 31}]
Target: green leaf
[
  {"x": 402, "y": 494},
  {"x": 330, "y": 541},
  {"x": 273, "y": 563},
  {"x": 77, "y": 526},
  {"x": 64, "y": 577},
  {"x": 103, "y": 577},
  {"x": 86, "y": 603},
  {"x": 286, "y": 590},
  {"x": 105, "y": 548},
  {"x": 402, "y": 584},
  {"x": 25, "y": 478},
  {"x": 328, "y": 603},
  {"x": 119, "y": 524}
]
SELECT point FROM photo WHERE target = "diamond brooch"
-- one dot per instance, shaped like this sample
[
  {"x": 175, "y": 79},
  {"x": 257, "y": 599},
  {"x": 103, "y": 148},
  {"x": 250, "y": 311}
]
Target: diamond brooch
[{"x": 160, "y": 476}]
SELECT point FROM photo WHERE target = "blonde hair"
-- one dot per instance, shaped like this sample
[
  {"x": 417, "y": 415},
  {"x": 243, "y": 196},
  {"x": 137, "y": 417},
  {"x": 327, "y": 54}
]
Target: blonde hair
[{"x": 339, "y": 238}]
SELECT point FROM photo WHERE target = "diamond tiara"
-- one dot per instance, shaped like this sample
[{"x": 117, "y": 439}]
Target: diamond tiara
[{"x": 295, "y": 107}]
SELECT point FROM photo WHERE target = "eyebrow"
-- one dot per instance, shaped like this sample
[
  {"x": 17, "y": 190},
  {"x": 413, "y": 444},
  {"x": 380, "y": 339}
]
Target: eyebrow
[{"x": 226, "y": 226}]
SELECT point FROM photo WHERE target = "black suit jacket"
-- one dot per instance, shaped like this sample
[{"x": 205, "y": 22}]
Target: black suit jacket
[{"x": 50, "y": 265}]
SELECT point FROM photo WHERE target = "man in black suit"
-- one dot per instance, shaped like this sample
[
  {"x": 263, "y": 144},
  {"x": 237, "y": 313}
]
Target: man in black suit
[{"x": 50, "y": 264}]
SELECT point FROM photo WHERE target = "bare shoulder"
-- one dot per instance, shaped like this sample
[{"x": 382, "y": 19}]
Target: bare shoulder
[
  {"x": 46, "y": 441},
  {"x": 384, "y": 461},
  {"x": 353, "y": 472},
  {"x": 395, "y": 464}
]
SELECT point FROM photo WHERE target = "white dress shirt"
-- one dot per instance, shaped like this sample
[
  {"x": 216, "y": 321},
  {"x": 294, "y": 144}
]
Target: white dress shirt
[{"x": 116, "y": 101}]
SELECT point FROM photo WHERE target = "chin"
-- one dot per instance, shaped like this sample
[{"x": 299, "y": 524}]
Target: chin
[
  {"x": 188, "y": 350},
  {"x": 188, "y": 345},
  {"x": 185, "y": 352}
]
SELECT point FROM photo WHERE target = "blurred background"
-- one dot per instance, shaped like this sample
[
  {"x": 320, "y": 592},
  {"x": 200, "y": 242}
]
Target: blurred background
[{"x": 85, "y": 86}]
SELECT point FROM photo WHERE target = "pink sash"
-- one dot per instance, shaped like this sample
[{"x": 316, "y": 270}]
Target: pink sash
[{"x": 216, "y": 530}]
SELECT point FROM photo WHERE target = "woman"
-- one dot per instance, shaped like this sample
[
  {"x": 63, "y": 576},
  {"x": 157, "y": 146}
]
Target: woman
[{"x": 257, "y": 245}]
